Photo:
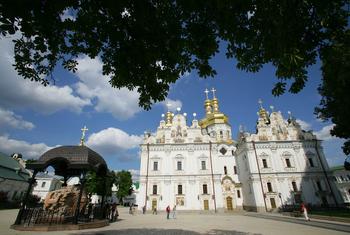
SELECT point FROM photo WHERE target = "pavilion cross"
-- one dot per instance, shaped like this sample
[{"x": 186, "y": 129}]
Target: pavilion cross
[
  {"x": 206, "y": 93},
  {"x": 213, "y": 90},
  {"x": 83, "y": 130}
]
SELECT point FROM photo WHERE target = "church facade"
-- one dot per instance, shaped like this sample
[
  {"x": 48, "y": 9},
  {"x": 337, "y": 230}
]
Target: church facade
[{"x": 200, "y": 167}]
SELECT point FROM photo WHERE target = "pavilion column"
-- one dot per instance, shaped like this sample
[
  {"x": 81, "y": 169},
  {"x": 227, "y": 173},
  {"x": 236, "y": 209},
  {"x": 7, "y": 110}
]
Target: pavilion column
[
  {"x": 31, "y": 181},
  {"x": 77, "y": 209}
]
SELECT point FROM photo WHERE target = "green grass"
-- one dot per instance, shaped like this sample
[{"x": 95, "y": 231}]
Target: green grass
[{"x": 339, "y": 213}]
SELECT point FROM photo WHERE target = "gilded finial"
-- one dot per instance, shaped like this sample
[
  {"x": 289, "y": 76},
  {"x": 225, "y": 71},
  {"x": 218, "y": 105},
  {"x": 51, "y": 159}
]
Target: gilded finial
[
  {"x": 168, "y": 105},
  {"x": 206, "y": 91},
  {"x": 82, "y": 139},
  {"x": 213, "y": 90},
  {"x": 260, "y": 103}
]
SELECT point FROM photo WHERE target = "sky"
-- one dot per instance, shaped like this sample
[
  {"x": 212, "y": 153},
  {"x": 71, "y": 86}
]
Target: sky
[{"x": 34, "y": 118}]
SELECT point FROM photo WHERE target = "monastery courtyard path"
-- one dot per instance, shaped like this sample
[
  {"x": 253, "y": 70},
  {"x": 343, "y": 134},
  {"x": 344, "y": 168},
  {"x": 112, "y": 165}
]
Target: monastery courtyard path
[{"x": 195, "y": 224}]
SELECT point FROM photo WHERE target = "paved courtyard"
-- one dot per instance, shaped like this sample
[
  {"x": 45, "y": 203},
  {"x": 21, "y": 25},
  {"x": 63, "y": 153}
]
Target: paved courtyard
[{"x": 195, "y": 223}]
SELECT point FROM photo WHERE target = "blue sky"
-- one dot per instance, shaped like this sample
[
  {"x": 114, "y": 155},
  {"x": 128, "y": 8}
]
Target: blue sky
[{"x": 34, "y": 118}]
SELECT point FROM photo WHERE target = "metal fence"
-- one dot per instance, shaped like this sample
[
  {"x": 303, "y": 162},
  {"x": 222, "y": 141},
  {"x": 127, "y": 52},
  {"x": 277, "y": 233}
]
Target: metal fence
[{"x": 39, "y": 216}]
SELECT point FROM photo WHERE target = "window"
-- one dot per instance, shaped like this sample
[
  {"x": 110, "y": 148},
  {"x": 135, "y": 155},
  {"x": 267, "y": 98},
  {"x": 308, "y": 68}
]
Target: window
[
  {"x": 238, "y": 193},
  {"x": 235, "y": 170},
  {"x": 154, "y": 189},
  {"x": 341, "y": 178},
  {"x": 223, "y": 151},
  {"x": 43, "y": 184},
  {"x": 179, "y": 165},
  {"x": 225, "y": 170},
  {"x": 221, "y": 135},
  {"x": 233, "y": 152},
  {"x": 311, "y": 162},
  {"x": 203, "y": 165},
  {"x": 294, "y": 185},
  {"x": 319, "y": 186},
  {"x": 155, "y": 166},
  {"x": 269, "y": 187},
  {"x": 179, "y": 189},
  {"x": 288, "y": 162},
  {"x": 205, "y": 189},
  {"x": 264, "y": 163}
]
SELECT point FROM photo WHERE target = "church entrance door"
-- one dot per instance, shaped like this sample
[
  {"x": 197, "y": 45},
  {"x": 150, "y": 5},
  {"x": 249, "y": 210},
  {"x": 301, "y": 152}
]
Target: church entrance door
[
  {"x": 154, "y": 204},
  {"x": 273, "y": 203},
  {"x": 206, "y": 205},
  {"x": 229, "y": 203}
]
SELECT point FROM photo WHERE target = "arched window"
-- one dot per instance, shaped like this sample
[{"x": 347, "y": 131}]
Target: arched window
[
  {"x": 225, "y": 170},
  {"x": 179, "y": 189},
  {"x": 205, "y": 189},
  {"x": 154, "y": 189},
  {"x": 269, "y": 187}
]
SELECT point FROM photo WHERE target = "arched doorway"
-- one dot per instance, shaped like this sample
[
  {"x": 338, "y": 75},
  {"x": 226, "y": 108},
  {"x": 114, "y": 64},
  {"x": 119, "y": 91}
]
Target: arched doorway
[
  {"x": 154, "y": 204},
  {"x": 229, "y": 203},
  {"x": 206, "y": 204}
]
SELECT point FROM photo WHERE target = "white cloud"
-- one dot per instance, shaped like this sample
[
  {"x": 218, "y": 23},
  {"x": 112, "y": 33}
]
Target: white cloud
[
  {"x": 9, "y": 118},
  {"x": 304, "y": 125},
  {"x": 15, "y": 92},
  {"x": 67, "y": 14},
  {"x": 121, "y": 103},
  {"x": 113, "y": 141},
  {"x": 170, "y": 104},
  {"x": 28, "y": 150},
  {"x": 324, "y": 133}
]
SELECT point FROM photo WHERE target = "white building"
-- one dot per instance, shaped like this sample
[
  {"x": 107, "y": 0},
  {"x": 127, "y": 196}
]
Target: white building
[
  {"x": 282, "y": 165},
  {"x": 341, "y": 178},
  {"x": 198, "y": 166},
  {"x": 46, "y": 183},
  {"x": 192, "y": 166}
]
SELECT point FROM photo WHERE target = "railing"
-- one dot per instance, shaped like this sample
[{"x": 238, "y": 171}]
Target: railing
[{"x": 39, "y": 216}]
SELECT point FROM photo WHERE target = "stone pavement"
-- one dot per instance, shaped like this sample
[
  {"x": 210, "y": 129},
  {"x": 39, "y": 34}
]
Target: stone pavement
[{"x": 195, "y": 224}]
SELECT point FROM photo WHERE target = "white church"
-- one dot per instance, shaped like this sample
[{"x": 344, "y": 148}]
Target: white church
[{"x": 198, "y": 166}]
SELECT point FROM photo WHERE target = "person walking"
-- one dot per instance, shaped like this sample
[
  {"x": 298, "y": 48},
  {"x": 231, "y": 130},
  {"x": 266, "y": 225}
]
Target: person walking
[
  {"x": 174, "y": 212},
  {"x": 167, "y": 211},
  {"x": 304, "y": 210},
  {"x": 144, "y": 209}
]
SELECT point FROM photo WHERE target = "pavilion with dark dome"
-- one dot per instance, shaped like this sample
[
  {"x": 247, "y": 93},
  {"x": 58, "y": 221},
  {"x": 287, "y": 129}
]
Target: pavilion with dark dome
[{"x": 67, "y": 161}]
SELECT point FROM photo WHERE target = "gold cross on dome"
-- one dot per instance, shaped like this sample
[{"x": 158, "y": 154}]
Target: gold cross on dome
[
  {"x": 168, "y": 105},
  {"x": 260, "y": 103},
  {"x": 213, "y": 90},
  {"x": 206, "y": 93}
]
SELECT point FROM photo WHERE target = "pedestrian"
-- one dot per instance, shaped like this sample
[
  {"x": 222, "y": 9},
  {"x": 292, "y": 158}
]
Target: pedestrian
[
  {"x": 144, "y": 209},
  {"x": 154, "y": 211},
  {"x": 304, "y": 210},
  {"x": 167, "y": 211},
  {"x": 130, "y": 209},
  {"x": 174, "y": 212}
]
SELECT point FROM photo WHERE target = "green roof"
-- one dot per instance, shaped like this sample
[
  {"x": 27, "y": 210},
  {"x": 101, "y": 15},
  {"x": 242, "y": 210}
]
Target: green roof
[
  {"x": 12, "y": 169},
  {"x": 337, "y": 168}
]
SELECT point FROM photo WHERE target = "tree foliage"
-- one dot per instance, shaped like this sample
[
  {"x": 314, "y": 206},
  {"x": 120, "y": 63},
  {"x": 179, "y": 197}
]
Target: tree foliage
[
  {"x": 335, "y": 89},
  {"x": 148, "y": 44},
  {"x": 124, "y": 183},
  {"x": 100, "y": 185}
]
